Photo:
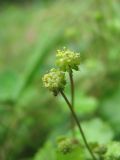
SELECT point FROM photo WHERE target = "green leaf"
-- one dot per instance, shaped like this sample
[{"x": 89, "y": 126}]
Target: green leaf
[
  {"x": 97, "y": 130},
  {"x": 47, "y": 151},
  {"x": 110, "y": 109},
  {"x": 83, "y": 104},
  {"x": 8, "y": 83},
  {"x": 76, "y": 154},
  {"x": 113, "y": 151}
]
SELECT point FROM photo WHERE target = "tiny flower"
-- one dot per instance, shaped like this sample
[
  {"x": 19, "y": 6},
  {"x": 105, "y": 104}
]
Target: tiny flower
[
  {"x": 54, "y": 80},
  {"x": 66, "y": 59}
]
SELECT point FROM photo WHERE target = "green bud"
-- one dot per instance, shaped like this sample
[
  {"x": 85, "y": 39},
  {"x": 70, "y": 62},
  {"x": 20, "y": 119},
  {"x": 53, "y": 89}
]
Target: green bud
[
  {"x": 100, "y": 150},
  {"x": 66, "y": 59},
  {"x": 65, "y": 145},
  {"x": 54, "y": 80}
]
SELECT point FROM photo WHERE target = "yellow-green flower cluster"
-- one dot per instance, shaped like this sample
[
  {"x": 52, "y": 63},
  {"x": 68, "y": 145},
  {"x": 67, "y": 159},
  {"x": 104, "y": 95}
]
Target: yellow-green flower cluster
[
  {"x": 66, "y": 59},
  {"x": 54, "y": 80}
]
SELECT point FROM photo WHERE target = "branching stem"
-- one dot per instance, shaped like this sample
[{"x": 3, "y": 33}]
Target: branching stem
[{"x": 78, "y": 124}]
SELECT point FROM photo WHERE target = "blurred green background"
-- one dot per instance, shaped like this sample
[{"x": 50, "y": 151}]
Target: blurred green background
[{"x": 30, "y": 33}]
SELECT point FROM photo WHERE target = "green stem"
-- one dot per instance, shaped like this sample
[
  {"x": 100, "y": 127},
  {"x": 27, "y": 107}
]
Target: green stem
[
  {"x": 72, "y": 87},
  {"x": 78, "y": 124},
  {"x": 72, "y": 98}
]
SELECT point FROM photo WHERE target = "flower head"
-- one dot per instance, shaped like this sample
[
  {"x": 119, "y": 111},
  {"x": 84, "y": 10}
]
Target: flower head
[
  {"x": 54, "y": 80},
  {"x": 66, "y": 59}
]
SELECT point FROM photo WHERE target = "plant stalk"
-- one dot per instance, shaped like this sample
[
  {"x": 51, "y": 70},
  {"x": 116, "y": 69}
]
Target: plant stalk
[
  {"x": 72, "y": 87},
  {"x": 72, "y": 99},
  {"x": 78, "y": 124}
]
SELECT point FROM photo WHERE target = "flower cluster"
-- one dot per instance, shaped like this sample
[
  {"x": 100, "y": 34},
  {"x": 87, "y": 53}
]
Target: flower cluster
[
  {"x": 54, "y": 80},
  {"x": 66, "y": 59}
]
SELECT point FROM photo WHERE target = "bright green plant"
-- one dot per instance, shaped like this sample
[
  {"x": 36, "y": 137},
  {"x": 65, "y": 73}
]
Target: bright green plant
[
  {"x": 69, "y": 148},
  {"x": 67, "y": 61},
  {"x": 113, "y": 151}
]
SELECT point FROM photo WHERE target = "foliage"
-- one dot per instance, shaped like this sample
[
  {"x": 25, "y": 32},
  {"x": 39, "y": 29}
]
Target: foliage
[
  {"x": 113, "y": 151},
  {"x": 29, "y": 36}
]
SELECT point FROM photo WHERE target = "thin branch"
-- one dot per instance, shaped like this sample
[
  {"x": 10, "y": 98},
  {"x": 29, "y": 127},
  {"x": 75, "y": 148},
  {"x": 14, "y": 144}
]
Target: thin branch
[
  {"x": 78, "y": 124},
  {"x": 72, "y": 87},
  {"x": 72, "y": 99}
]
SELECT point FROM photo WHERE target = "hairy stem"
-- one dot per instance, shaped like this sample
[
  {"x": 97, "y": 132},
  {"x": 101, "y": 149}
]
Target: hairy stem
[{"x": 78, "y": 124}]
